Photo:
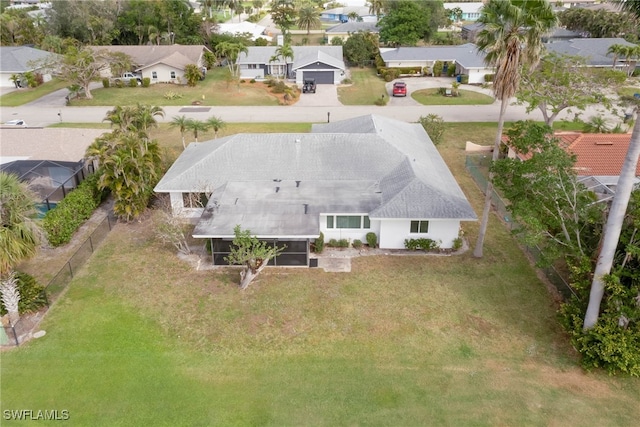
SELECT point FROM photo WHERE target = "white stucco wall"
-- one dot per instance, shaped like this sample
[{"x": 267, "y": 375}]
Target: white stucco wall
[
  {"x": 251, "y": 73},
  {"x": 393, "y": 232},
  {"x": 476, "y": 75},
  {"x": 350, "y": 234},
  {"x": 164, "y": 74}
]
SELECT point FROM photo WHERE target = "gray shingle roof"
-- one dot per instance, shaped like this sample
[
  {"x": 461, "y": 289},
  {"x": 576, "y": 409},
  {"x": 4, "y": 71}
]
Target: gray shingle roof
[
  {"x": 302, "y": 55},
  {"x": 278, "y": 184},
  {"x": 593, "y": 49},
  {"x": 354, "y": 27},
  {"x": 18, "y": 59},
  {"x": 146, "y": 55},
  {"x": 467, "y": 54}
]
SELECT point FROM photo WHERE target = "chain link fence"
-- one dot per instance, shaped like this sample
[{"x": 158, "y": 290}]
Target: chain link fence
[
  {"x": 21, "y": 330},
  {"x": 478, "y": 167}
]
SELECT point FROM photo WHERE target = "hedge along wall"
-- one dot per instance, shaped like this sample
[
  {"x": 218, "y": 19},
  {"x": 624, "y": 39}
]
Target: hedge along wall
[{"x": 61, "y": 222}]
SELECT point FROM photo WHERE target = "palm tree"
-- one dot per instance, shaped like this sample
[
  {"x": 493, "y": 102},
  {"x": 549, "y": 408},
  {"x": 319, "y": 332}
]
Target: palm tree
[
  {"x": 18, "y": 233},
  {"x": 215, "y": 123},
  {"x": 510, "y": 38},
  {"x": 353, "y": 16},
  {"x": 308, "y": 19},
  {"x": 231, "y": 51},
  {"x": 616, "y": 50},
  {"x": 283, "y": 53},
  {"x": 617, "y": 211},
  {"x": 376, "y": 7},
  {"x": 180, "y": 122},
  {"x": 197, "y": 126}
]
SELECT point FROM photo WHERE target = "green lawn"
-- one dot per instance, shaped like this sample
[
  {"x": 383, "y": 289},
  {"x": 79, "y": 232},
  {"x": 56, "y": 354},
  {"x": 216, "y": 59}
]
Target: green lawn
[
  {"x": 141, "y": 338},
  {"x": 367, "y": 87},
  {"x": 213, "y": 91},
  {"x": 467, "y": 97},
  {"x": 25, "y": 95}
]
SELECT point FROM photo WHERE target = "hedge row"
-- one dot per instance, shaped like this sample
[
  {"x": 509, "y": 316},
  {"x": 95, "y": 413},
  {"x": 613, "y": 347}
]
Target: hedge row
[{"x": 61, "y": 222}]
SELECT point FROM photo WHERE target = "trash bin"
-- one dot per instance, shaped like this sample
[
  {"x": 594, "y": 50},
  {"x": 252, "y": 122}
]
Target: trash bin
[{"x": 459, "y": 78}]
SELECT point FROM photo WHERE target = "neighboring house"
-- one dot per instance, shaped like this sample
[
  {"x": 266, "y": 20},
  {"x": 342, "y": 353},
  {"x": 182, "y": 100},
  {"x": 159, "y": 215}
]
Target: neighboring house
[
  {"x": 343, "y": 31},
  {"x": 17, "y": 60},
  {"x": 245, "y": 27},
  {"x": 470, "y": 10},
  {"x": 323, "y": 63},
  {"x": 470, "y": 31},
  {"x": 599, "y": 156},
  {"x": 465, "y": 58},
  {"x": 341, "y": 14},
  {"x": 560, "y": 34},
  {"x": 51, "y": 160},
  {"x": 162, "y": 63},
  {"x": 594, "y": 50},
  {"x": 344, "y": 179}
]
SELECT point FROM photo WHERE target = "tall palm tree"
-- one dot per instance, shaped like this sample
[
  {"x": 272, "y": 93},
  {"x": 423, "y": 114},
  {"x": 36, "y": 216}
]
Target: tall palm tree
[
  {"x": 283, "y": 53},
  {"x": 511, "y": 38},
  {"x": 616, "y": 50},
  {"x": 308, "y": 18},
  {"x": 617, "y": 211},
  {"x": 215, "y": 123},
  {"x": 197, "y": 126},
  {"x": 180, "y": 122},
  {"x": 18, "y": 232},
  {"x": 376, "y": 7}
]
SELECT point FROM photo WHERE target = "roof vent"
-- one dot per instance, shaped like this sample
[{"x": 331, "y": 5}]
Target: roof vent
[
  {"x": 604, "y": 142},
  {"x": 298, "y": 184},
  {"x": 297, "y": 140},
  {"x": 277, "y": 189}
]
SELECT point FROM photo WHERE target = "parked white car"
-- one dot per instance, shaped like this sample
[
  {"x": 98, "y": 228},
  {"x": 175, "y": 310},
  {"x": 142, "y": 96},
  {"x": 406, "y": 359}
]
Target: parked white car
[{"x": 17, "y": 122}]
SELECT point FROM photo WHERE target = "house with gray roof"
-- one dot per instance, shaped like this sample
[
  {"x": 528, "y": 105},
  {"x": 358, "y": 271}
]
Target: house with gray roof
[
  {"x": 17, "y": 60},
  {"x": 323, "y": 63},
  {"x": 341, "y": 14},
  {"x": 162, "y": 63},
  {"x": 594, "y": 50},
  {"x": 465, "y": 58},
  {"x": 344, "y": 179},
  {"x": 344, "y": 30}
]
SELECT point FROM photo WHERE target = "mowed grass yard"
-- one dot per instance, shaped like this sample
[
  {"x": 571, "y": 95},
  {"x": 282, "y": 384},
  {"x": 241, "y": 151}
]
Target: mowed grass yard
[
  {"x": 143, "y": 338},
  {"x": 467, "y": 97}
]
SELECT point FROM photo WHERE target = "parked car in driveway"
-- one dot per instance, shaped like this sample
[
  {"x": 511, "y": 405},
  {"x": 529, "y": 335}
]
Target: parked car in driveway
[
  {"x": 399, "y": 89},
  {"x": 17, "y": 122},
  {"x": 309, "y": 86}
]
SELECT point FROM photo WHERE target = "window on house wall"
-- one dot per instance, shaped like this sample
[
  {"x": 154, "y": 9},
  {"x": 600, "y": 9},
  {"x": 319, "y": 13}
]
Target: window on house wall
[
  {"x": 195, "y": 200},
  {"x": 173, "y": 74},
  {"x": 348, "y": 221},
  {"x": 253, "y": 66},
  {"x": 419, "y": 227},
  {"x": 154, "y": 74}
]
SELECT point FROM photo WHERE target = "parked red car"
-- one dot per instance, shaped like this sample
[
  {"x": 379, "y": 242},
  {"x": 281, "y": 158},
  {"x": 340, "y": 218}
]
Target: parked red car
[{"x": 399, "y": 89}]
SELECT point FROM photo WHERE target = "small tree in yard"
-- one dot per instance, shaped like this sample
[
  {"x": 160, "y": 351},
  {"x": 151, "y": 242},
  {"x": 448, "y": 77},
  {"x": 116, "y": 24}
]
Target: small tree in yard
[
  {"x": 192, "y": 73},
  {"x": 434, "y": 125},
  {"x": 173, "y": 230},
  {"x": 251, "y": 253}
]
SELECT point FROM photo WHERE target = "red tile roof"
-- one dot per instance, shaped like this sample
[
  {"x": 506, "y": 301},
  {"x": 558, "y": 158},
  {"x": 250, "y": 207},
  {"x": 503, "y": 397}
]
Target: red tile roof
[{"x": 599, "y": 154}]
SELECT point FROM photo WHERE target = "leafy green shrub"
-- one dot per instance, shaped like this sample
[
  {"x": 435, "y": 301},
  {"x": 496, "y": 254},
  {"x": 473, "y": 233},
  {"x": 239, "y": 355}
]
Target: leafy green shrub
[
  {"x": 61, "y": 222},
  {"x": 442, "y": 91},
  {"x": 119, "y": 83},
  {"x": 488, "y": 78},
  {"x": 391, "y": 74},
  {"x": 347, "y": 81},
  {"x": 464, "y": 79},
  {"x": 457, "y": 243},
  {"x": 243, "y": 81},
  {"x": 423, "y": 244},
  {"x": 172, "y": 95},
  {"x": 382, "y": 101},
  {"x": 357, "y": 243},
  {"x": 318, "y": 245},
  {"x": 372, "y": 239},
  {"x": 32, "y": 295},
  {"x": 106, "y": 83},
  {"x": 133, "y": 83},
  {"x": 279, "y": 87},
  {"x": 252, "y": 81},
  {"x": 333, "y": 243},
  {"x": 451, "y": 70},
  {"x": 343, "y": 243},
  {"x": 435, "y": 127},
  {"x": 607, "y": 345},
  {"x": 146, "y": 81},
  {"x": 437, "y": 68}
]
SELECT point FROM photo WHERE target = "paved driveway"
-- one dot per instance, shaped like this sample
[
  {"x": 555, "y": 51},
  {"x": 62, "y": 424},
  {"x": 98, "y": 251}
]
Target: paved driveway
[{"x": 325, "y": 96}]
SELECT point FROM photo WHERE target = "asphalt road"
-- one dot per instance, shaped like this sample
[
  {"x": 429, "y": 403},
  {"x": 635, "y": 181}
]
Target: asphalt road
[{"x": 322, "y": 107}]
